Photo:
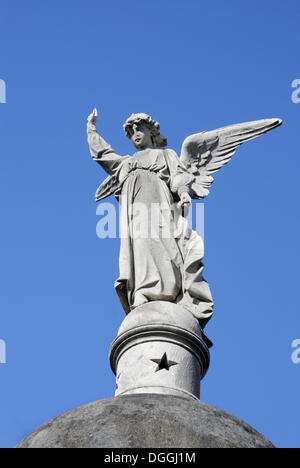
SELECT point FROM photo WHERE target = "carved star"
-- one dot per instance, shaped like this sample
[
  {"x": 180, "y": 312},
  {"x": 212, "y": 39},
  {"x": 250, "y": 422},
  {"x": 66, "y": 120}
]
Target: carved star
[{"x": 164, "y": 363}]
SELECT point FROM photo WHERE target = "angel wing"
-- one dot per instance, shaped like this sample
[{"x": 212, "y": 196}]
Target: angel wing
[
  {"x": 107, "y": 188},
  {"x": 205, "y": 153}
]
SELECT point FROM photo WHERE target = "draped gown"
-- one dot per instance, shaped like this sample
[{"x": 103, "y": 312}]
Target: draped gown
[{"x": 160, "y": 256}]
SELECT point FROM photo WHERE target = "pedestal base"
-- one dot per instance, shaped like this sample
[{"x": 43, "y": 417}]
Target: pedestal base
[{"x": 160, "y": 348}]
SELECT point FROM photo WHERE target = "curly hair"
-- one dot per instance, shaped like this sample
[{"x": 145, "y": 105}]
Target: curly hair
[{"x": 159, "y": 141}]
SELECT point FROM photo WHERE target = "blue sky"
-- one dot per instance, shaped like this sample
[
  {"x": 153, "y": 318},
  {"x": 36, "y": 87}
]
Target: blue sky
[{"x": 194, "y": 65}]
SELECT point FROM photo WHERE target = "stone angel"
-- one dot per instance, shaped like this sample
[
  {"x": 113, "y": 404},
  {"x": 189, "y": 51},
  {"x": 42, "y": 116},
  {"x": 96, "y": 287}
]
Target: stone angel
[{"x": 156, "y": 266}]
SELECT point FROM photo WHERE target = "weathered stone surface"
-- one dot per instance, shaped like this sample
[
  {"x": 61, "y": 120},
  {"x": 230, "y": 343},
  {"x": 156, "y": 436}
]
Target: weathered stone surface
[{"x": 146, "y": 421}]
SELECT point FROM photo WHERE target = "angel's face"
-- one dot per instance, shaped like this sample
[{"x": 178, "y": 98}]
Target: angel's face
[{"x": 141, "y": 136}]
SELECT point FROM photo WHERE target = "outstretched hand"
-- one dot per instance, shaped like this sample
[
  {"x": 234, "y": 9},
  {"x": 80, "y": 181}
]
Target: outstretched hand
[{"x": 92, "y": 118}]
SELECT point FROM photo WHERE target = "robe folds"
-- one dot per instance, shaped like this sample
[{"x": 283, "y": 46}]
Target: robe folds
[{"x": 160, "y": 256}]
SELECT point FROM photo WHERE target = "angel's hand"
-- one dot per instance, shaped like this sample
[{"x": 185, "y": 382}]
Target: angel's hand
[
  {"x": 92, "y": 118},
  {"x": 185, "y": 200},
  {"x": 185, "y": 203}
]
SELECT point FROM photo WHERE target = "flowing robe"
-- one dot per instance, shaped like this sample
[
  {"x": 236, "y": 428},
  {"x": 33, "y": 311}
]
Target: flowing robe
[{"x": 160, "y": 256}]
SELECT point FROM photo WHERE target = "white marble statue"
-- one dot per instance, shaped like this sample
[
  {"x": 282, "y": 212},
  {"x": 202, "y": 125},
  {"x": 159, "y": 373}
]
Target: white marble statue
[{"x": 156, "y": 266}]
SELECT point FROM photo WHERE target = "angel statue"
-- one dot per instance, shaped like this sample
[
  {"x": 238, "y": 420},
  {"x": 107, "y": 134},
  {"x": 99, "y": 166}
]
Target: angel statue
[{"x": 156, "y": 267}]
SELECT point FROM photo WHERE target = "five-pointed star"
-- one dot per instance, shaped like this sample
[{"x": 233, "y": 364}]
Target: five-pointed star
[{"x": 164, "y": 363}]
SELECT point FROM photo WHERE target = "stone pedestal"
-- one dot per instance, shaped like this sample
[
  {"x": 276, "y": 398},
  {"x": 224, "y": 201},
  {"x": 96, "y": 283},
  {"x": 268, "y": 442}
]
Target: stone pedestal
[{"x": 160, "y": 348}]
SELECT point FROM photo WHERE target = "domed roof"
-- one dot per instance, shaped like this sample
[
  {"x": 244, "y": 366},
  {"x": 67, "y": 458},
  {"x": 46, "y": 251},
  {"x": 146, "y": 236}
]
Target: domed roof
[{"x": 146, "y": 421}]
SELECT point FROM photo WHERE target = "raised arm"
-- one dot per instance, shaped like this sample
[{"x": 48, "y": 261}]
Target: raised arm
[{"x": 101, "y": 151}]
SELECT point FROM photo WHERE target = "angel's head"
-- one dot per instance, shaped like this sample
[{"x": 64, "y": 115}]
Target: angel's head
[{"x": 144, "y": 132}]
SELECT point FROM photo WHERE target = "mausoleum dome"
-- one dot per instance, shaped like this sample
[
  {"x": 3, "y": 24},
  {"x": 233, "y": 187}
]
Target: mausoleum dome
[{"x": 149, "y": 421}]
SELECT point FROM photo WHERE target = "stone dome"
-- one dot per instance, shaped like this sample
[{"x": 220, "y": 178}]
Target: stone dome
[{"x": 146, "y": 421}]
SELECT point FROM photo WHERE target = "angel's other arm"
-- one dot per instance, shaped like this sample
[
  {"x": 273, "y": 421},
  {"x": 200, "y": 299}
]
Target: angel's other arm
[
  {"x": 101, "y": 151},
  {"x": 180, "y": 177}
]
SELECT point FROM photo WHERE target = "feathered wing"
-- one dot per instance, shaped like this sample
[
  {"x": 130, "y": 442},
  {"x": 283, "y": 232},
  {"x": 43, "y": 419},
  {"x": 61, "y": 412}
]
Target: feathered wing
[
  {"x": 107, "y": 188},
  {"x": 205, "y": 153}
]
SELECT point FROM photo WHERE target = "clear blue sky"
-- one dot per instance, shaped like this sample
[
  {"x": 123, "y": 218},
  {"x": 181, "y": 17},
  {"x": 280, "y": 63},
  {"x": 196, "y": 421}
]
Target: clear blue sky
[{"x": 194, "y": 65}]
